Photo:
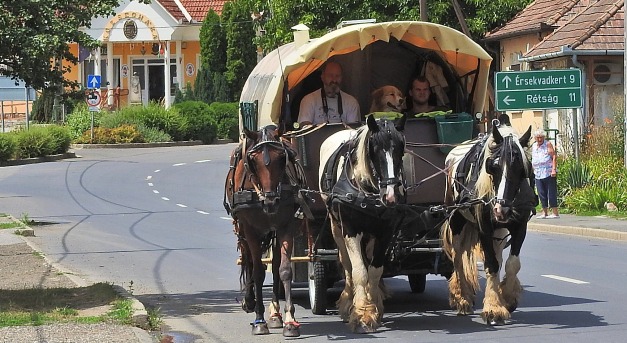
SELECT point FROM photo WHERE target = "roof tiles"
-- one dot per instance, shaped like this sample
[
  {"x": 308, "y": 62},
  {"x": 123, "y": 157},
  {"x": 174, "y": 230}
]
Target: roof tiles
[
  {"x": 600, "y": 26},
  {"x": 538, "y": 16},
  {"x": 197, "y": 9}
]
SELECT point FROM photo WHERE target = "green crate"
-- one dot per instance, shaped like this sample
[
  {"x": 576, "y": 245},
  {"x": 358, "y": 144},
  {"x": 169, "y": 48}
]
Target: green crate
[{"x": 453, "y": 129}]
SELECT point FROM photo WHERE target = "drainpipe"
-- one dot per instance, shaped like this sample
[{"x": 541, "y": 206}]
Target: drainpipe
[{"x": 584, "y": 105}]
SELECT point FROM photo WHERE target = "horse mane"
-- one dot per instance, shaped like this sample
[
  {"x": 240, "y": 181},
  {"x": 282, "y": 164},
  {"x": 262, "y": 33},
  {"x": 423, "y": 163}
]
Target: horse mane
[
  {"x": 484, "y": 187},
  {"x": 362, "y": 171}
]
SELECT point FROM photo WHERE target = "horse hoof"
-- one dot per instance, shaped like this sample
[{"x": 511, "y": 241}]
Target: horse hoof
[
  {"x": 291, "y": 330},
  {"x": 493, "y": 321},
  {"x": 275, "y": 322},
  {"x": 365, "y": 329},
  {"x": 248, "y": 308},
  {"x": 260, "y": 329},
  {"x": 512, "y": 307}
]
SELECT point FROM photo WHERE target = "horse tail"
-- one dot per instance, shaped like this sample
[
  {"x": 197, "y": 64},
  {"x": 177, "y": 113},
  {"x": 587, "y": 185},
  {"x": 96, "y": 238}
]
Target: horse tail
[
  {"x": 447, "y": 239},
  {"x": 245, "y": 260}
]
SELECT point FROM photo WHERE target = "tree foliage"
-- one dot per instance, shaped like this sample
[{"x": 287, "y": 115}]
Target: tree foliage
[
  {"x": 241, "y": 55},
  {"x": 321, "y": 16},
  {"x": 35, "y": 33},
  {"x": 212, "y": 43}
]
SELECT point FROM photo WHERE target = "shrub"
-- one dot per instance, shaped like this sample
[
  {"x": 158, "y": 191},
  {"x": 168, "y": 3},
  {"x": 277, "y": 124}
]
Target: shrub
[
  {"x": 34, "y": 142},
  {"x": 226, "y": 116},
  {"x": 101, "y": 136},
  {"x": 156, "y": 116},
  {"x": 153, "y": 135},
  {"x": 120, "y": 118},
  {"x": 126, "y": 134},
  {"x": 59, "y": 138},
  {"x": 7, "y": 147},
  {"x": 79, "y": 120},
  {"x": 201, "y": 124}
]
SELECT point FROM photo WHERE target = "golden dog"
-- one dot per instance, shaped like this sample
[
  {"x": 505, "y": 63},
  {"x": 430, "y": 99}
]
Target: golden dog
[{"x": 387, "y": 99}]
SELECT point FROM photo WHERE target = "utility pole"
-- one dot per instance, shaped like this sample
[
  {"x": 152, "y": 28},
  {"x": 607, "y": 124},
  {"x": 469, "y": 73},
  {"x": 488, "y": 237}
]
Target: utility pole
[{"x": 423, "y": 10}]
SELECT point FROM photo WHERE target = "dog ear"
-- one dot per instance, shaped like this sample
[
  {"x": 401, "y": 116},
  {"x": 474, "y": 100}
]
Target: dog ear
[
  {"x": 377, "y": 94},
  {"x": 376, "y": 100}
]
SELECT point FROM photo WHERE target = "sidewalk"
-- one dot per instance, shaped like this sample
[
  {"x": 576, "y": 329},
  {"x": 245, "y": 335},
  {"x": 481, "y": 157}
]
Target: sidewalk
[
  {"x": 21, "y": 267},
  {"x": 594, "y": 227}
]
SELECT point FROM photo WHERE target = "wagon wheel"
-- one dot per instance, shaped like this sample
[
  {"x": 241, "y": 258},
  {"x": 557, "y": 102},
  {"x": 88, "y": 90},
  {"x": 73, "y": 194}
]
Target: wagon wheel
[
  {"x": 317, "y": 287},
  {"x": 417, "y": 282}
]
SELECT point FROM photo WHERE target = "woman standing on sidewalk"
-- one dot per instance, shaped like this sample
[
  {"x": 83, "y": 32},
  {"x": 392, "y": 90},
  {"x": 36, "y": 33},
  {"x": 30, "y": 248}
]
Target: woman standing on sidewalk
[{"x": 544, "y": 161}]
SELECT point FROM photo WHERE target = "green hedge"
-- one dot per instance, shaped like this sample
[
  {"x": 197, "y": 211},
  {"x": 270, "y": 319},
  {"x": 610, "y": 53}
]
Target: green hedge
[
  {"x": 7, "y": 147},
  {"x": 187, "y": 120},
  {"x": 201, "y": 124}
]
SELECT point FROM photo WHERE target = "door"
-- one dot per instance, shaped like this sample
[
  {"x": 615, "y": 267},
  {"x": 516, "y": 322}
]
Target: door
[{"x": 156, "y": 83}]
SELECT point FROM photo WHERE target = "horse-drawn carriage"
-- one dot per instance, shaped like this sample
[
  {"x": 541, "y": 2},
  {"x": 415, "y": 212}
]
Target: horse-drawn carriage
[{"x": 372, "y": 55}]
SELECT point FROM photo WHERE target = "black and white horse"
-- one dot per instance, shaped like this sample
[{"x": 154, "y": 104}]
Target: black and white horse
[
  {"x": 260, "y": 194},
  {"x": 494, "y": 177},
  {"x": 361, "y": 178}
]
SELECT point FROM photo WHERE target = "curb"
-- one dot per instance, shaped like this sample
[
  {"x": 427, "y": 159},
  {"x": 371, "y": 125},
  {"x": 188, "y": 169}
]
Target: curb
[
  {"x": 579, "y": 231},
  {"x": 48, "y": 158},
  {"x": 140, "y": 314},
  {"x": 135, "y": 145}
]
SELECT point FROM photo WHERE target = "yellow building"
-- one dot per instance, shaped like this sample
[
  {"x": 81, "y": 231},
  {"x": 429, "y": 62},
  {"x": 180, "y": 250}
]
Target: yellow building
[{"x": 147, "y": 51}]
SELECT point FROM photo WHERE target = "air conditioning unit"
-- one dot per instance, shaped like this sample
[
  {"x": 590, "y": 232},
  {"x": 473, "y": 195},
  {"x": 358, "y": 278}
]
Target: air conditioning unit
[{"x": 608, "y": 74}]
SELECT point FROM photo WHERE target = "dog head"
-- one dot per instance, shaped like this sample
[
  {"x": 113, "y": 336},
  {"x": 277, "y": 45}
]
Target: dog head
[{"x": 387, "y": 99}]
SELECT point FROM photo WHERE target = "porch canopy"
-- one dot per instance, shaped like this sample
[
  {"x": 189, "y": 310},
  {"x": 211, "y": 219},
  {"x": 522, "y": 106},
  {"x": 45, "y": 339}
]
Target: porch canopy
[{"x": 371, "y": 55}]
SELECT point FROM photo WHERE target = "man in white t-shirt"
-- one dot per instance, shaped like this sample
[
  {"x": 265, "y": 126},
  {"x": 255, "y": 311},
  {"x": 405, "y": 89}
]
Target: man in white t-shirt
[{"x": 329, "y": 104}]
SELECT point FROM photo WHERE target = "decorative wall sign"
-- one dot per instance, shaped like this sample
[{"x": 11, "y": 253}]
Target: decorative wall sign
[
  {"x": 190, "y": 69},
  {"x": 124, "y": 71}
]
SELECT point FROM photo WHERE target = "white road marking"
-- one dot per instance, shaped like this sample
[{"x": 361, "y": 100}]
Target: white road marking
[
  {"x": 155, "y": 191},
  {"x": 178, "y": 164},
  {"x": 148, "y": 177},
  {"x": 180, "y": 205},
  {"x": 164, "y": 198},
  {"x": 202, "y": 161},
  {"x": 202, "y": 212},
  {"x": 565, "y": 279},
  {"x": 158, "y": 170},
  {"x": 150, "y": 184},
  {"x": 226, "y": 218}
]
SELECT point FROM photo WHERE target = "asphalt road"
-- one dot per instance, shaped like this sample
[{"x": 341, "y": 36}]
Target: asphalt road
[{"x": 152, "y": 221}]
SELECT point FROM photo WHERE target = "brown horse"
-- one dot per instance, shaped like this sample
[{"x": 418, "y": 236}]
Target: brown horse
[{"x": 261, "y": 195}]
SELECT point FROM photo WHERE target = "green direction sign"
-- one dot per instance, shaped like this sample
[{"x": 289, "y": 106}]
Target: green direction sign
[{"x": 538, "y": 89}]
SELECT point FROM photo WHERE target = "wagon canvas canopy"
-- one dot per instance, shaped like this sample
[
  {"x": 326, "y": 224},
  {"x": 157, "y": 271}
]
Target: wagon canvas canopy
[{"x": 371, "y": 56}]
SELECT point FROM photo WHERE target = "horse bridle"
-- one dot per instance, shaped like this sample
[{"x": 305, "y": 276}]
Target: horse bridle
[
  {"x": 386, "y": 181},
  {"x": 264, "y": 145}
]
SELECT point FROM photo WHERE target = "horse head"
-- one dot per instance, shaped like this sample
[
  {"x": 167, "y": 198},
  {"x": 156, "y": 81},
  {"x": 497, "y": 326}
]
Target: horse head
[
  {"x": 508, "y": 164},
  {"x": 386, "y": 146},
  {"x": 266, "y": 162}
]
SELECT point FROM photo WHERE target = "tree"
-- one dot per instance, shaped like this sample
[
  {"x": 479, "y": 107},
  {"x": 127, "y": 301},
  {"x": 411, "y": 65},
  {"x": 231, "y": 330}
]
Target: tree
[
  {"x": 322, "y": 16},
  {"x": 35, "y": 34},
  {"x": 212, "y": 43},
  {"x": 241, "y": 53}
]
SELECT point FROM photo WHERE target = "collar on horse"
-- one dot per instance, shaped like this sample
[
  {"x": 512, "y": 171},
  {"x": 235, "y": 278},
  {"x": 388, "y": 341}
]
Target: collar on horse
[
  {"x": 252, "y": 197},
  {"x": 343, "y": 189}
]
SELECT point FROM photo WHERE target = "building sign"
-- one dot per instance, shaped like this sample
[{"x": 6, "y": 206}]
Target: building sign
[
  {"x": 130, "y": 15},
  {"x": 124, "y": 71},
  {"x": 538, "y": 89},
  {"x": 190, "y": 69}
]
